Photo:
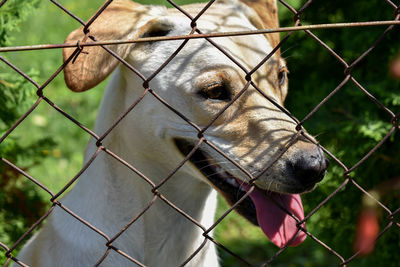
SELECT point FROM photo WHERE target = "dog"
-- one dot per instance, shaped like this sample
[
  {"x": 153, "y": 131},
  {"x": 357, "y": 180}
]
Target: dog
[{"x": 199, "y": 82}]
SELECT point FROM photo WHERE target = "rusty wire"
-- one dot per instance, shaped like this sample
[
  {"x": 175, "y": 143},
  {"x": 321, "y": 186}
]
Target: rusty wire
[
  {"x": 204, "y": 35},
  {"x": 147, "y": 90}
]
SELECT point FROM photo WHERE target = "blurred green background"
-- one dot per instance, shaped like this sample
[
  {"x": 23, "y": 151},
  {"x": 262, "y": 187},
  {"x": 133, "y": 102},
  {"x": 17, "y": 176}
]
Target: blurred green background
[{"x": 50, "y": 147}]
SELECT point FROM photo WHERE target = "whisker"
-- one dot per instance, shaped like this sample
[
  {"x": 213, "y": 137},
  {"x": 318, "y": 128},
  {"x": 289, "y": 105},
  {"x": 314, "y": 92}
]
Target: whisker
[
  {"x": 319, "y": 134},
  {"x": 288, "y": 49},
  {"x": 285, "y": 58},
  {"x": 211, "y": 164},
  {"x": 222, "y": 171},
  {"x": 240, "y": 188}
]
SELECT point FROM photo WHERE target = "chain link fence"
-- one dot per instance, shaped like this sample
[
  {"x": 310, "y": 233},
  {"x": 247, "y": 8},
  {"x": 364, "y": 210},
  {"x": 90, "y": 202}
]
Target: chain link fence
[{"x": 90, "y": 40}]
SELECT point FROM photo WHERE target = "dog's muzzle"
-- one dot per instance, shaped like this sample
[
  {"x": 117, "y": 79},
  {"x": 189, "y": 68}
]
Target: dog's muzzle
[{"x": 272, "y": 211}]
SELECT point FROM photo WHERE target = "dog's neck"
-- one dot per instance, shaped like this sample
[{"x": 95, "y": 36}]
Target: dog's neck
[{"x": 161, "y": 234}]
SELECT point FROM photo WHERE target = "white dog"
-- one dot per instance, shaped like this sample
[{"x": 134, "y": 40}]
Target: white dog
[{"x": 199, "y": 82}]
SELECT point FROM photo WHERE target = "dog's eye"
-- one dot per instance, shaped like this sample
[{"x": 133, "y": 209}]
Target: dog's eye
[
  {"x": 282, "y": 75},
  {"x": 157, "y": 33},
  {"x": 157, "y": 30},
  {"x": 216, "y": 91}
]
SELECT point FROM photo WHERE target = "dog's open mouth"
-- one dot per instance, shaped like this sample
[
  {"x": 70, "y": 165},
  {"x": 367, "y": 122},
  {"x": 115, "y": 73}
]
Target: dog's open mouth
[{"x": 266, "y": 209}]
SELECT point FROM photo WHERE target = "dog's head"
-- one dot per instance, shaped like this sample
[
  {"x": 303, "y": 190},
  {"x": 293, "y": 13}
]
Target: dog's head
[{"x": 200, "y": 82}]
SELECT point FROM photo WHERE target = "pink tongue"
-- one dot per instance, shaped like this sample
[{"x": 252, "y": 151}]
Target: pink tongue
[{"x": 276, "y": 223}]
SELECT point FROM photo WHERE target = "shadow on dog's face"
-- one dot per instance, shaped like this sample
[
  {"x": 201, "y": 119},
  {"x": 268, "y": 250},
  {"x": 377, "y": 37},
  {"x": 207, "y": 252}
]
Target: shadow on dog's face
[
  {"x": 259, "y": 139},
  {"x": 208, "y": 81}
]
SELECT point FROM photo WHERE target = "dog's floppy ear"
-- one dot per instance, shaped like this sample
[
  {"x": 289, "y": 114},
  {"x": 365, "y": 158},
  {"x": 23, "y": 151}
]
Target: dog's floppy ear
[
  {"x": 267, "y": 10},
  {"x": 122, "y": 19}
]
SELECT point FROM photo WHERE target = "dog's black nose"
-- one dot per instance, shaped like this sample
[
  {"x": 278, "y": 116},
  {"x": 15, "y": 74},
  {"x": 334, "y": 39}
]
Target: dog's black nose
[{"x": 310, "y": 167}]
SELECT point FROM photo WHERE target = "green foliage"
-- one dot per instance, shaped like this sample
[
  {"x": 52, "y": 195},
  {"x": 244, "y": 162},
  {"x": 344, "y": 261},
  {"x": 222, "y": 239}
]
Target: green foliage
[
  {"x": 16, "y": 95},
  {"x": 13, "y": 13},
  {"x": 349, "y": 124},
  {"x": 21, "y": 204}
]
